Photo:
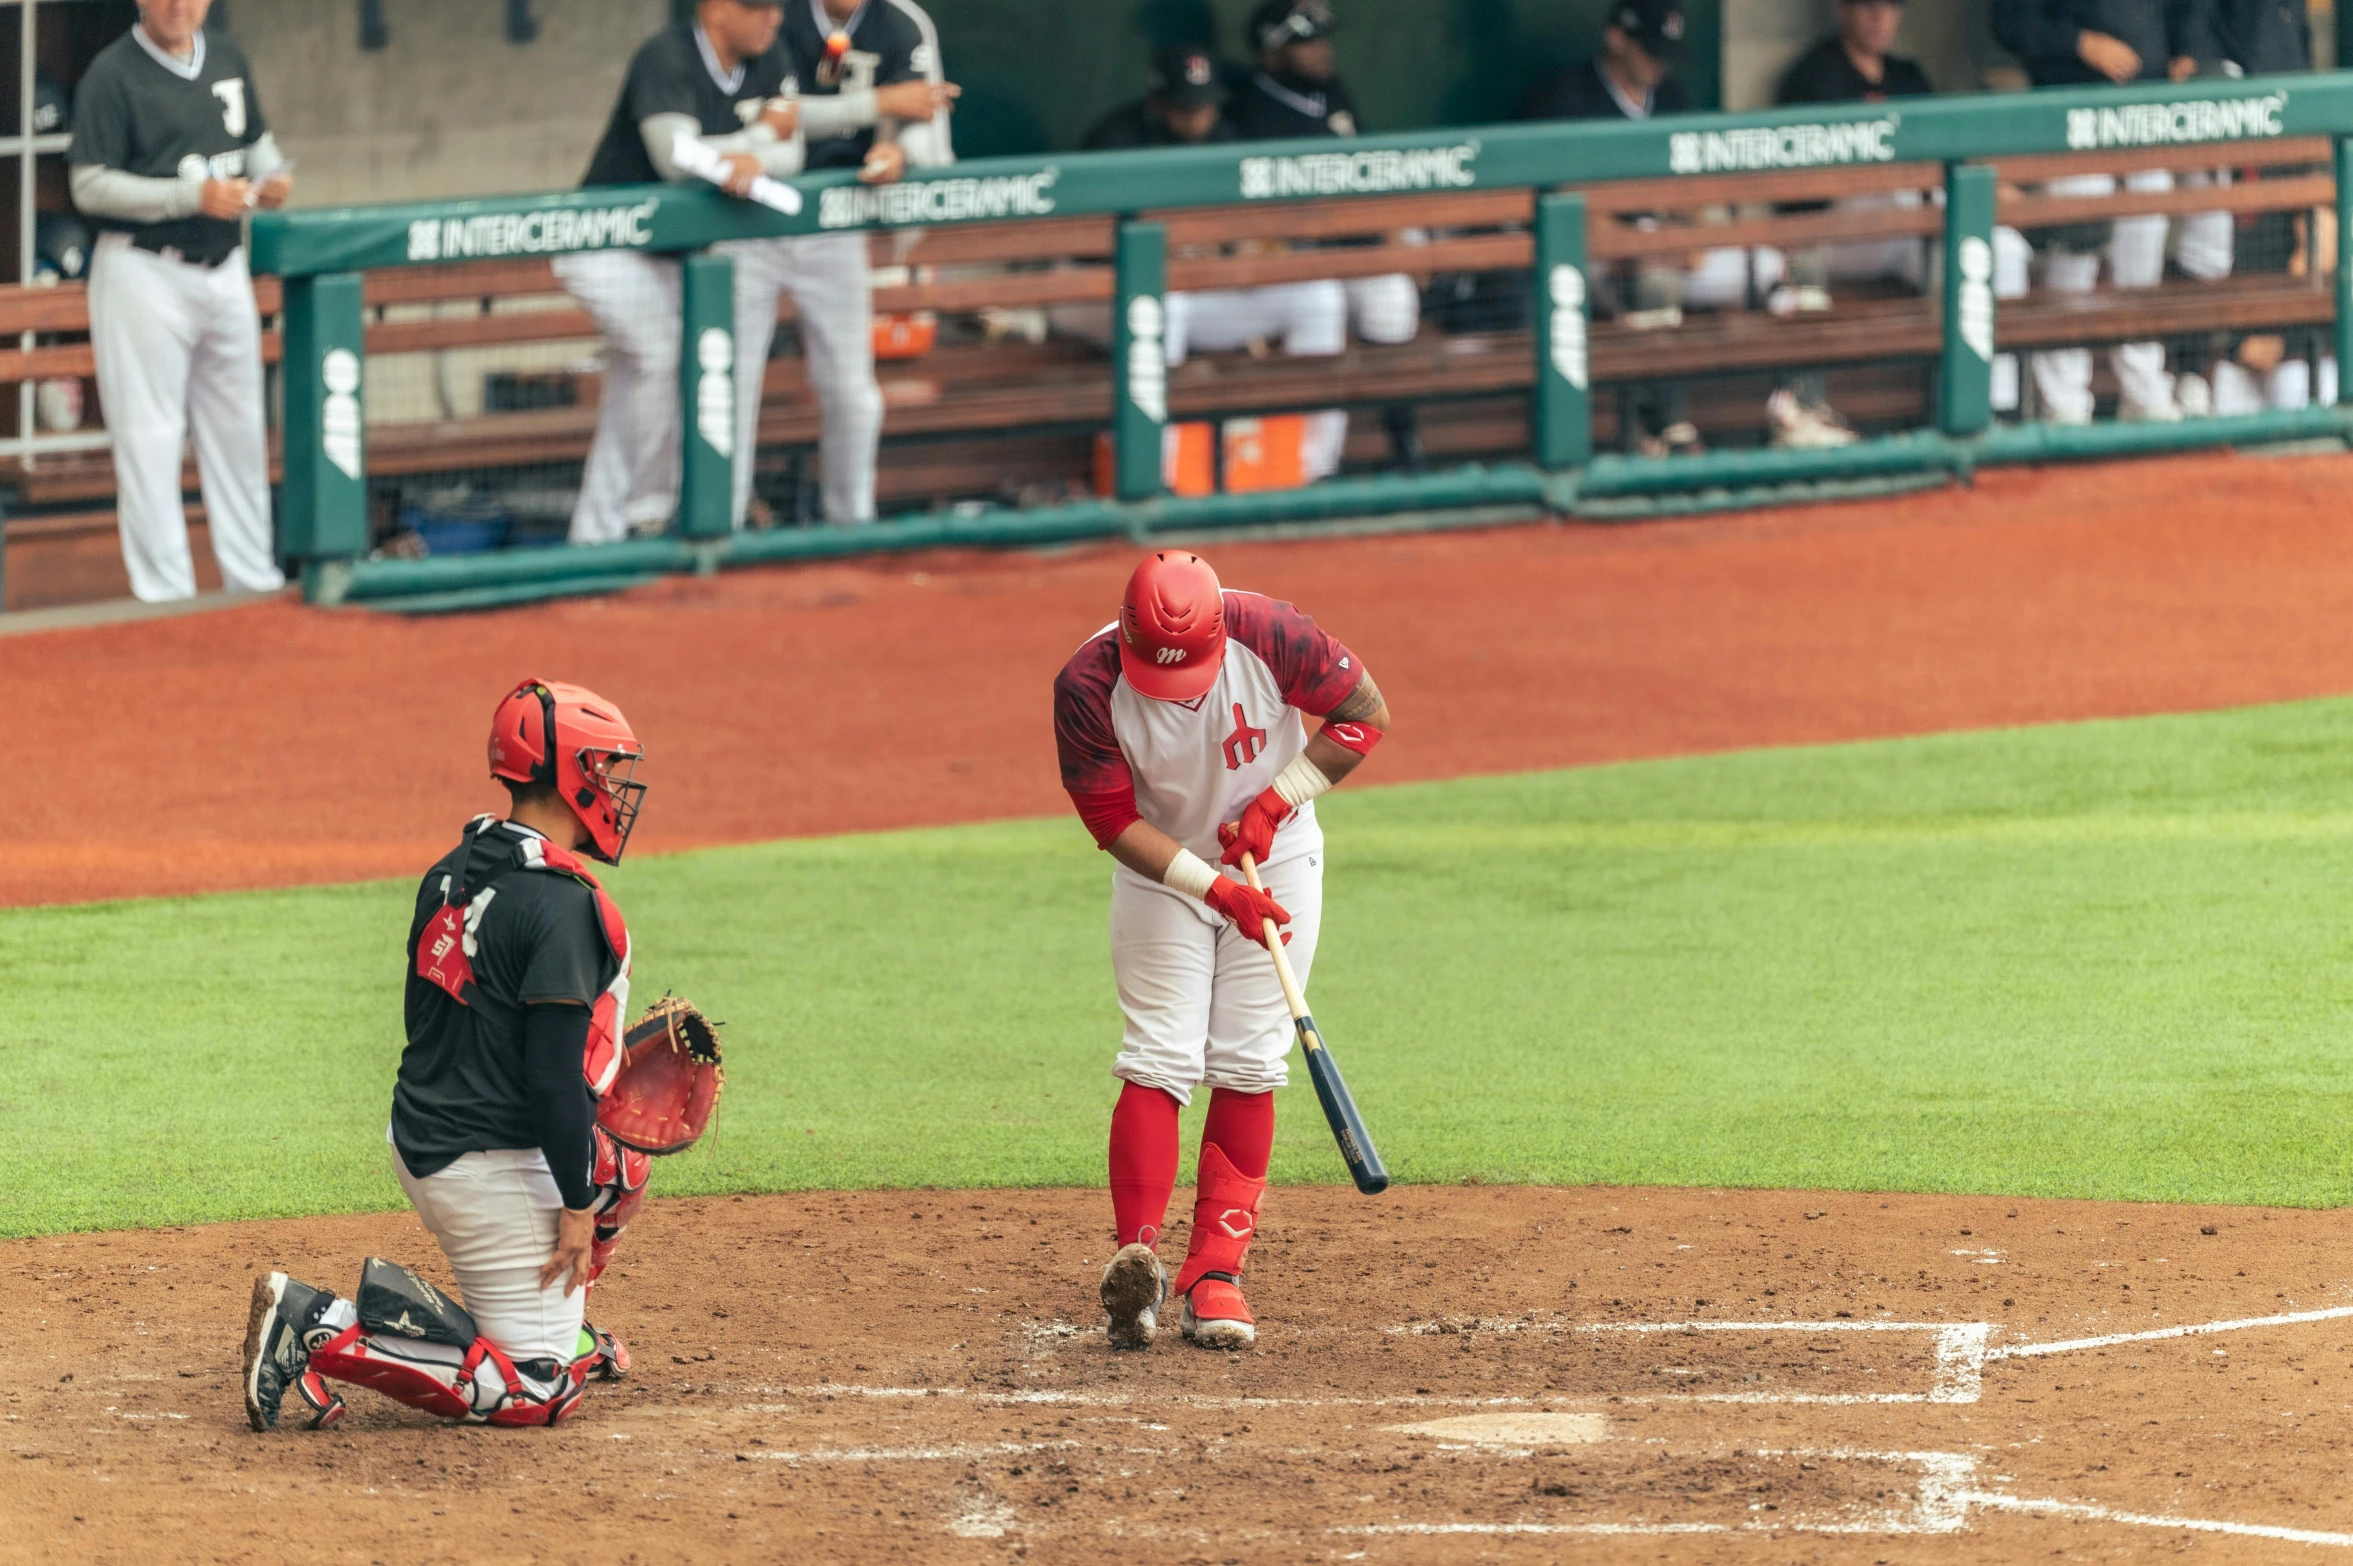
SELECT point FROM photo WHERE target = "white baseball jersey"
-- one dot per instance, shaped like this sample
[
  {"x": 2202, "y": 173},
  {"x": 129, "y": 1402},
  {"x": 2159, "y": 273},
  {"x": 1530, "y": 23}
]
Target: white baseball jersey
[{"x": 1186, "y": 767}]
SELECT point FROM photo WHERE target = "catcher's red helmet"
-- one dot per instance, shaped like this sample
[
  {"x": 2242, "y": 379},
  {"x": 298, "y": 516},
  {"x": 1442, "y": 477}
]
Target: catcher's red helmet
[
  {"x": 1172, "y": 626},
  {"x": 569, "y": 736}
]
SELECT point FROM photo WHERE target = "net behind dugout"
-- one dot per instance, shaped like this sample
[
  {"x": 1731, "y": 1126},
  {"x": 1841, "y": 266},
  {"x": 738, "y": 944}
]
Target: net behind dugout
[{"x": 482, "y": 390}]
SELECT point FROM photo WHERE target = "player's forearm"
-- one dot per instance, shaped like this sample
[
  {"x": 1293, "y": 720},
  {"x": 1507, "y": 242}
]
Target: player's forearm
[
  {"x": 133, "y": 198},
  {"x": 555, "y": 1038},
  {"x": 779, "y": 157},
  {"x": 1146, "y": 850},
  {"x": 839, "y": 114},
  {"x": 264, "y": 158},
  {"x": 1336, "y": 754}
]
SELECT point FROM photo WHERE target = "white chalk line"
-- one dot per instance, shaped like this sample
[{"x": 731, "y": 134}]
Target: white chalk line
[
  {"x": 2198, "y": 1329},
  {"x": 1994, "y": 1500}
]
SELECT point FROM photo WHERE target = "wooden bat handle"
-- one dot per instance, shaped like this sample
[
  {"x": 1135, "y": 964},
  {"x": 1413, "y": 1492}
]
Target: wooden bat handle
[{"x": 1293, "y": 996}]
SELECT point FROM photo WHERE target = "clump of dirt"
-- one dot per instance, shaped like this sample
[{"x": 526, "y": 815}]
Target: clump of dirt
[{"x": 1520, "y": 1375}]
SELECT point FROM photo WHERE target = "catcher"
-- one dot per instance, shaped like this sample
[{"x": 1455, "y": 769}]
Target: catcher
[{"x": 522, "y": 1118}]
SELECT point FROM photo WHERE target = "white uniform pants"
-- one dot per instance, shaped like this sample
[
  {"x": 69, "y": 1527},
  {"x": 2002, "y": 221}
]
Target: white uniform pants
[
  {"x": 1201, "y": 1000},
  {"x": 631, "y": 483},
  {"x": 827, "y": 276},
  {"x": 2136, "y": 259},
  {"x": 495, "y": 1216},
  {"x": 179, "y": 353},
  {"x": 1309, "y": 319}
]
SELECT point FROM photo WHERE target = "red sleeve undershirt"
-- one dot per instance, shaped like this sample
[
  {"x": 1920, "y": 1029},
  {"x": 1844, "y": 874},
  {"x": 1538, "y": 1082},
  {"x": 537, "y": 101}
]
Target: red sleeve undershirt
[{"x": 1095, "y": 770}]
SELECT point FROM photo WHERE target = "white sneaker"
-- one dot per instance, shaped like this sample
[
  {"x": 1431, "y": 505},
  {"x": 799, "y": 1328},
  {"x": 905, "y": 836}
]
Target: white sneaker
[
  {"x": 2193, "y": 396},
  {"x": 1796, "y": 426}
]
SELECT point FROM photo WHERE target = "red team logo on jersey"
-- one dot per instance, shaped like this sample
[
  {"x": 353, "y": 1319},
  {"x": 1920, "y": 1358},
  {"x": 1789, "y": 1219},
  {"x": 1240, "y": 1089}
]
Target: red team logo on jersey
[{"x": 1243, "y": 745}]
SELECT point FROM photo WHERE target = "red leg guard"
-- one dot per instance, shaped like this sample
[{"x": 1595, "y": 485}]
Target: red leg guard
[
  {"x": 349, "y": 1356},
  {"x": 620, "y": 1175},
  {"x": 1225, "y": 1216},
  {"x": 446, "y": 1390},
  {"x": 1143, "y": 1162}
]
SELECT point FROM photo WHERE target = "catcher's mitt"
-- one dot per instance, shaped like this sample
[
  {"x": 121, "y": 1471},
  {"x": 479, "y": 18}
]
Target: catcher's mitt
[{"x": 669, "y": 1082}]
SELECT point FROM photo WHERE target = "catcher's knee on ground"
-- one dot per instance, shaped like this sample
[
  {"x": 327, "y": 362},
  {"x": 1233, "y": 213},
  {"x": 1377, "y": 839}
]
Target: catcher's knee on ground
[{"x": 407, "y": 1340}]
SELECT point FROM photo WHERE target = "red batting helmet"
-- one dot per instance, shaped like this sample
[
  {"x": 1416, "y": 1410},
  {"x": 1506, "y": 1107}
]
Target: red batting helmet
[
  {"x": 1172, "y": 626},
  {"x": 574, "y": 739}
]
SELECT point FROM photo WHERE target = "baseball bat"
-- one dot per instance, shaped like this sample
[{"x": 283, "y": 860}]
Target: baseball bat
[{"x": 1347, "y": 1122}]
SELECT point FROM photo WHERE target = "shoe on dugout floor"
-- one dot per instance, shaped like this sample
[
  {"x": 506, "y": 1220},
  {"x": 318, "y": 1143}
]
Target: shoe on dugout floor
[
  {"x": 1133, "y": 1289},
  {"x": 277, "y": 1354},
  {"x": 608, "y": 1356},
  {"x": 1216, "y": 1316},
  {"x": 1798, "y": 425}
]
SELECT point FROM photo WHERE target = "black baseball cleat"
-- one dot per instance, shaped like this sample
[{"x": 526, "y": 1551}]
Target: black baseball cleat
[{"x": 277, "y": 1354}]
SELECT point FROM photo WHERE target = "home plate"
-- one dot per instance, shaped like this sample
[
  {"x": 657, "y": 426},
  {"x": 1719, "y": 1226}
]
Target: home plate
[{"x": 1524, "y": 1428}]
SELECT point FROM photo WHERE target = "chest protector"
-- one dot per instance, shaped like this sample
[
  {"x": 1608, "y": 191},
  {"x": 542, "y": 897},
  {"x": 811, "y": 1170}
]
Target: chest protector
[{"x": 446, "y": 946}]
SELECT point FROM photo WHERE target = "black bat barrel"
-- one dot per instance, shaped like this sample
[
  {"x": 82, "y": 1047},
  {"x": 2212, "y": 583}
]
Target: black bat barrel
[{"x": 1348, "y": 1129}]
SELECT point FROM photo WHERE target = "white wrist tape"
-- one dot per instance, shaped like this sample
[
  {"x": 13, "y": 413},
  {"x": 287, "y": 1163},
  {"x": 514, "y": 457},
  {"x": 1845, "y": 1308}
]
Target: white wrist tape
[
  {"x": 1189, "y": 874},
  {"x": 1301, "y": 781}
]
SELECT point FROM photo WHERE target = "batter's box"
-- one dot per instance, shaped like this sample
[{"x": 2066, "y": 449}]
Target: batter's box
[
  {"x": 1623, "y": 1490},
  {"x": 1744, "y": 1361}
]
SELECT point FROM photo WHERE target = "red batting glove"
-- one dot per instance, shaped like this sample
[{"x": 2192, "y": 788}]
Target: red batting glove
[
  {"x": 1248, "y": 907},
  {"x": 1254, "y": 834}
]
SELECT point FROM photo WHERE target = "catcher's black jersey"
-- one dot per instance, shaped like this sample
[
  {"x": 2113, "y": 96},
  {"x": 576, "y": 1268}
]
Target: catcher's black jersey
[
  {"x": 886, "y": 47},
  {"x": 462, "y": 1080},
  {"x": 674, "y": 73},
  {"x": 156, "y": 118}
]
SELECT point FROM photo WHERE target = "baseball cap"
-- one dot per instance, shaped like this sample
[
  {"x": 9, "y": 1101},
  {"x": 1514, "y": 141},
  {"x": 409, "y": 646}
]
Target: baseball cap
[
  {"x": 1185, "y": 78},
  {"x": 1657, "y": 25},
  {"x": 1279, "y": 22}
]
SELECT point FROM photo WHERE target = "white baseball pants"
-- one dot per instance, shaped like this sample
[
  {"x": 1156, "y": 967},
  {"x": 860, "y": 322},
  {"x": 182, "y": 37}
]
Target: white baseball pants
[
  {"x": 827, "y": 276},
  {"x": 1201, "y": 999},
  {"x": 1309, "y": 319},
  {"x": 2136, "y": 259},
  {"x": 179, "y": 354},
  {"x": 631, "y": 482},
  {"x": 495, "y": 1216}
]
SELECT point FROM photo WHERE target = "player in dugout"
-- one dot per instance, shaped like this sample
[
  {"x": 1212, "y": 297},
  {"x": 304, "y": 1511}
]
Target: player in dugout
[
  {"x": 1296, "y": 91},
  {"x": 170, "y": 153},
  {"x": 1184, "y": 105}
]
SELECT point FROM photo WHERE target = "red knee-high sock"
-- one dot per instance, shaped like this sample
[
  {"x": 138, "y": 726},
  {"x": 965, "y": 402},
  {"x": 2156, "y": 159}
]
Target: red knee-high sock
[
  {"x": 1143, "y": 1162},
  {"x": 1242, "y": 1126}
]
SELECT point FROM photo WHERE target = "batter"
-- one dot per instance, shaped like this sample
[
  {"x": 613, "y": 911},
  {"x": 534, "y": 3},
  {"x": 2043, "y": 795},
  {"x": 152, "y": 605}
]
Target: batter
[
  {"x": 170, "y": 152},
  {"x": 1181, "y": 738},
  {"x": 518, "y": 979}
]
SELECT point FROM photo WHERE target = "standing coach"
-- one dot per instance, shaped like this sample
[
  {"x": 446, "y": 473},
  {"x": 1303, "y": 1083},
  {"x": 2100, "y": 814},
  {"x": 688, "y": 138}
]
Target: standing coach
[{"x": 169, "y": 155}]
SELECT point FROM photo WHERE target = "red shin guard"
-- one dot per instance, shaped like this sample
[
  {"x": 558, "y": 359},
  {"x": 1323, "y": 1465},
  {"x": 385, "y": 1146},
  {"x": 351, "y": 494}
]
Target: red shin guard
[
  {"x": 1143, "y": 1162},
  {"x": 447, "y": 1390},
  {"x": 619, "y": 1177},
  {"x": 1225, "y": 1216}
]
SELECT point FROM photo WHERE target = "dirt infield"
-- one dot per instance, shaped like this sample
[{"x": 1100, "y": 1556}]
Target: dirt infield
[
  {"x": 290, "y": 745},
  {"x": 1443, "y": 1374}
]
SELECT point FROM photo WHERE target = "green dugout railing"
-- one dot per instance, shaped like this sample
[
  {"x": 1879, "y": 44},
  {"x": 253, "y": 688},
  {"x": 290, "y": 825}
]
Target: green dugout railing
[{"x": 321, "y": 254}]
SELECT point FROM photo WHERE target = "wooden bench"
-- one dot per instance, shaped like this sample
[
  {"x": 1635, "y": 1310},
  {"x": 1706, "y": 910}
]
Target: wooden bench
[{"x": 972, "y": 418}]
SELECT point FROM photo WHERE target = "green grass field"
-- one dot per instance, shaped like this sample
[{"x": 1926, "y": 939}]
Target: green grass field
[{"x": 2106, "y": 959}]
